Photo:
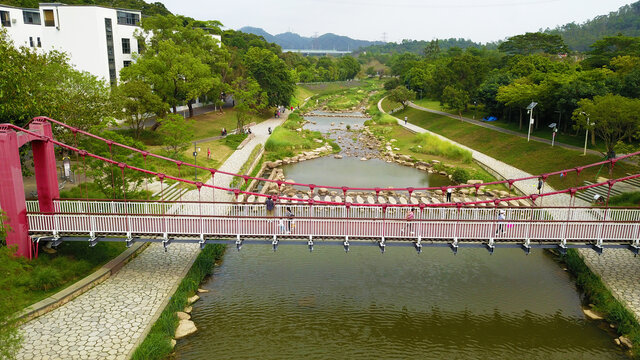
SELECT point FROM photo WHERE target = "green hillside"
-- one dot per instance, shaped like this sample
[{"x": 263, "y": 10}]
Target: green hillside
[
  {"x": 625, "y": 21},
  {"x": 155, "y": 8}
]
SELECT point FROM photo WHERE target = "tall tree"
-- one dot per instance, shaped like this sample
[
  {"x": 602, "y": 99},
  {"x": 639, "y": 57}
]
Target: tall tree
[
  {"x": 138, "y": 102},
  {"x": 455, "y": 99},
  {"x": 531, "y": 43},
  {"x": 518, "y": 94},
  {"x": 402, "y": 95},
  {"x": 176, "y": 133},
  {"x": 272, "y": 75},
  {"x": 250, "y": 99},
  {"x": 614, "y": 117}
]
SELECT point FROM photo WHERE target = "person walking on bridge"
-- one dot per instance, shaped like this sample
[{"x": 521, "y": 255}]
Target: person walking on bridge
[
  {"x": 501, "y": 219},
  {"x": 409, "y": 218}
]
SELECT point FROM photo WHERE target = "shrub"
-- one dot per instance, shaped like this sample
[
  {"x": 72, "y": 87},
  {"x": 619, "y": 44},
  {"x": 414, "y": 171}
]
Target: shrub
[
  {"x": 44, "y": 278},
  {"x": 234, "y": 140},
  {"x": 626, "y": 199},
  {"x": 461, "y": 176}
]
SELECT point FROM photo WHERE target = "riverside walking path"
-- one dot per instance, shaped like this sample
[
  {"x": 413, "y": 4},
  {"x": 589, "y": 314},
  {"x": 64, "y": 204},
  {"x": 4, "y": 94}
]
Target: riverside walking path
[
  {"x": 617, "y": 268},
  {"x": 111, "y": 320}
]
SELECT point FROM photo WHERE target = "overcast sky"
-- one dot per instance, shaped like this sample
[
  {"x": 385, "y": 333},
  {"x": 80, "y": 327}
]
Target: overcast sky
[{"x": 478, "y": 20}]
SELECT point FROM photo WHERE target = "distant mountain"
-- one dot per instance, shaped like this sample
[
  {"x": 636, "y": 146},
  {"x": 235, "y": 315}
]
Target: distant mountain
[
  {"x": 579, "y": 36},
  {"x": 327, "y": 41}
]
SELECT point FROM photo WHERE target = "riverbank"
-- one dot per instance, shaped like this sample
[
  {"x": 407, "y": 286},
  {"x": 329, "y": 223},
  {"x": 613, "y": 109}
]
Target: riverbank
[{"x": 159, "y": 343}]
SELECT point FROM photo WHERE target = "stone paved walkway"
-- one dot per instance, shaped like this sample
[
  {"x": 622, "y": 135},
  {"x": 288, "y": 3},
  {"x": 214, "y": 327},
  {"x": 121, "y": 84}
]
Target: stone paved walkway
[
  {"x": 108, "y": 321},
  {"x": 618, "y": 268}
]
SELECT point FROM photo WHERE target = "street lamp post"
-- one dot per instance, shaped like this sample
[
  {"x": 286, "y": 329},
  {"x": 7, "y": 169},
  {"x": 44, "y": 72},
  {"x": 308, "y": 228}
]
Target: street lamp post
[
  {"x": 195, "y": 158},
  {"x": 475, "y": 109},
  {"x": 586, "y": 134},
  {"x": 530, "y": 110}
]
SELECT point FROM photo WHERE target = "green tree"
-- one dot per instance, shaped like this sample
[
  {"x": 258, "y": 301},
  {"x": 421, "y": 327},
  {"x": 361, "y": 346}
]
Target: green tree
[
  {"x": 45, "y": 84},
  {"x": 455, "y": 99},
  {"x": 110, "y": 179},
  {"x": 138, "y": 102},
  {"x": 615, "y": 118},
  {"x": 392, "y": 84},
  {"x": 609, "y": 47},
  {"x": 272, "y": 75},
  {"x": 402, "y": 95},
  {"x": 176, "y": 133},
  {"x": 531, "y": 43},
  {"x": 432, "y": 50},
  {"x": 518, "y": 94},
  {"x": 348, "y": 67},
  {"x": 250, "y": 99}
]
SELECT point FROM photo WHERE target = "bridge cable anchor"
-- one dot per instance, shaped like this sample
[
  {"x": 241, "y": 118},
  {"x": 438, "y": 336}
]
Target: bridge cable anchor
[
  {"x": 165, "y": 241},
  {"x": 454, "y": 246},
  {"x": 130, "y": 240},
  {"x": 274, "y": 243},
  {"x": 418, "y": 245},
  {"x": 55, "y": 241},
  {"x": 562, "y": 247},
  {"x": 382, "y": 245},
  {"x": 635, "y": 247},
  {"x": 310, "y": 243},
  {"x": 526, "y": 246},
  {"x": 598, "y": 246},
  {"x": 491, "y": 246},
  {"x": 346, "y": 244},
  {"x": 238, "y": 242},
  {"x": 202, "y": 242},
  {"x": 93, "y": 240}
]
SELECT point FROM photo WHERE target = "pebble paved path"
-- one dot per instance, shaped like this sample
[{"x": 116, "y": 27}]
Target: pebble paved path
[
  {"x": 108, "y": 321},
  {"x": 618, "y": 268}
]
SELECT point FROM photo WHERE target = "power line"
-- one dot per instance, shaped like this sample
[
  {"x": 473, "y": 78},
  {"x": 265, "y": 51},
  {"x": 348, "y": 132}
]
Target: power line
[{"x": 437, "y": 6}]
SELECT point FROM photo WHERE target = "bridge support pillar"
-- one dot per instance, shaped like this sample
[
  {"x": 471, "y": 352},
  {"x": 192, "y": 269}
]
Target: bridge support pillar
[
  {"x": 44, "y": 161},
  {"x": 12, "y": 199}
]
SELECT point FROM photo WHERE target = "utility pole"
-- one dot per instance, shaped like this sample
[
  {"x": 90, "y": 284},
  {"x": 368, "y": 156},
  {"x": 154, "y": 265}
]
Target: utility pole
[{"x": 384, "y": 37}]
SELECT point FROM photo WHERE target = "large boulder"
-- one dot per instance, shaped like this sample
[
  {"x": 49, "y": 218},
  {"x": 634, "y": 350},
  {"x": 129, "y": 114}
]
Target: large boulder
[
  {"x": 473, "y": 182},
  {"x": 183, "y": 315},
  {"x": 193, "y": 299},
  {"x": 323, "y": 191},
  {"x": 185, "y": 328}
]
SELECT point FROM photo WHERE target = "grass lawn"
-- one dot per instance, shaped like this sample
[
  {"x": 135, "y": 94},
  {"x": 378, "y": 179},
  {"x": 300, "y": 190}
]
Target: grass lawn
[
  {"x": 209, "y": 124},
  {"x": 406, "y": 140},
  {"x": 32, "y": 281},
  {"x": 300, "y": 94},
  {"x": 221, "y": 149},
  {"x": 543, "y": 132},
  {"x": 532, "y": 157}
]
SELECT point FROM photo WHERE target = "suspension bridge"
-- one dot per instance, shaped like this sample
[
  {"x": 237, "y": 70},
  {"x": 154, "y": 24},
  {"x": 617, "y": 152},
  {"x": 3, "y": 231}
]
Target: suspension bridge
[{"x": 309, "y": 222}]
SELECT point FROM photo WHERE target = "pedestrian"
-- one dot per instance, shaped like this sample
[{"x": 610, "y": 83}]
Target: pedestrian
[
  {"x": 449, "y": 191},
  {"x": 208, "y": 153},
  {"x": 540, "y": 185},
  {"x": 405, "y": 120},
  {"x": 275, "y": 114},
  {"x": 501, "y": 218},
  {"x": 269, "y": 130},
  {"x": 289, "y": 215},
  {"x": 248, "y": 130},
  {"x": 409, "y": 218},
  {"x": 271, "y": 206}
]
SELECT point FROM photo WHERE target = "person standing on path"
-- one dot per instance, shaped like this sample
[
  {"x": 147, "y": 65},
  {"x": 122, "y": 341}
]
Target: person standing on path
[
  {"x": 501, "y": 218},
  {"x": 540, "y": 183},
  {"x": 208, "y": 153},
  {"x": 449, "y": 191},
  {"x": 405, "y": 120}
]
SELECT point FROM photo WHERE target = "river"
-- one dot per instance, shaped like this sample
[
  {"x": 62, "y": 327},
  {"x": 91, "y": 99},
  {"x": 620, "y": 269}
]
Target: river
[{"x": 293, "y": 304}]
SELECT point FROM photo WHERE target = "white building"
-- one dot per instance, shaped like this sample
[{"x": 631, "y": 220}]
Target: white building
[{"x": 97, "y": 39}]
